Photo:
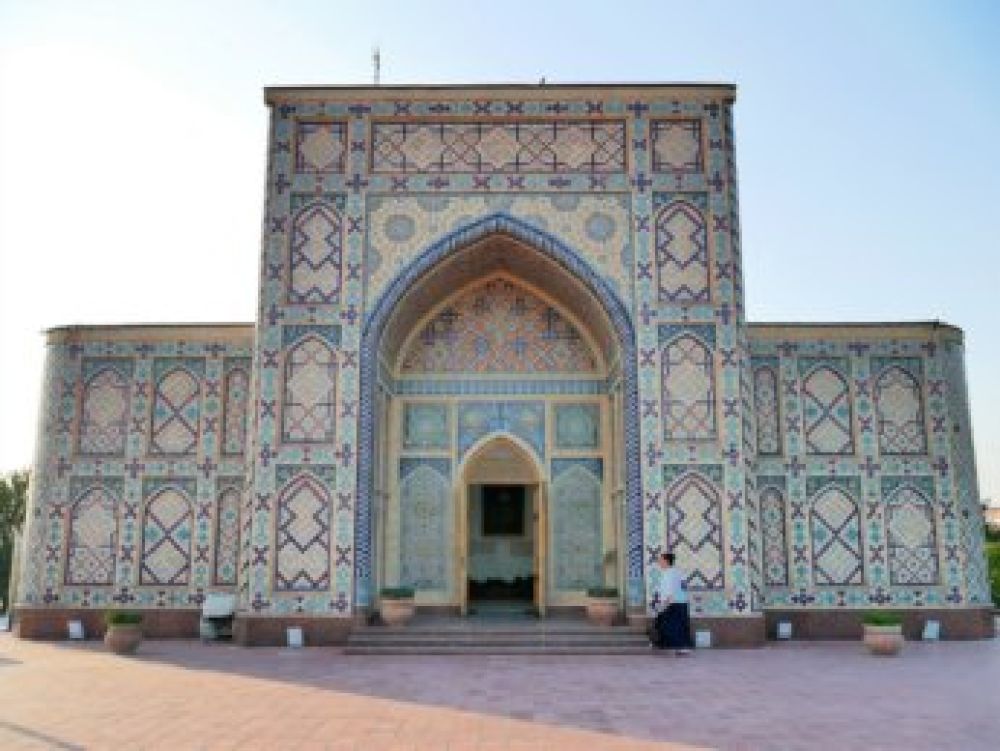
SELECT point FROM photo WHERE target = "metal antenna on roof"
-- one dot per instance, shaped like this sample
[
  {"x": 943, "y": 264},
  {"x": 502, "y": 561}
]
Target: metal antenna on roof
[{"x": 377, "y": 65}]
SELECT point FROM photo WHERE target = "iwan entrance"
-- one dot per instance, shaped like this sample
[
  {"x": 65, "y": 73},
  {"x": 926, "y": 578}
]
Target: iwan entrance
[{"x": 499, "y": 432}]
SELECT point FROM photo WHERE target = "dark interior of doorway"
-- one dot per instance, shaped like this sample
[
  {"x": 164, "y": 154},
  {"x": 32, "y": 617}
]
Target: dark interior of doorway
[{"x": 505, "y": 514}]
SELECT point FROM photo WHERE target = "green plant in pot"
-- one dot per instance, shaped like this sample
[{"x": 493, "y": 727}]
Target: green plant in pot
[
  {"x": 602, "y": 605},
  {"x": 396, "y": 605},
  {"x": 124, "y": 631},
  {"x": 883, "y": 632}
]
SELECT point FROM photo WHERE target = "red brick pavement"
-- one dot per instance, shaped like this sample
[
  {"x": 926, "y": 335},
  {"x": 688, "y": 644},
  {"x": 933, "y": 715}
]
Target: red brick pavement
[{"x": 181, "y": 694}]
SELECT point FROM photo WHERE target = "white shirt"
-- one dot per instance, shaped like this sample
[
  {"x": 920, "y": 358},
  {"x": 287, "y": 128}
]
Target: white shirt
[{"x": 671, "y": 586}]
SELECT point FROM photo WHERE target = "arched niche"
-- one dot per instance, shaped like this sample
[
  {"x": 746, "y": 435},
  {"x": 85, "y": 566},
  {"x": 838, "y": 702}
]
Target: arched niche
[{"x": 495, "y": 247}]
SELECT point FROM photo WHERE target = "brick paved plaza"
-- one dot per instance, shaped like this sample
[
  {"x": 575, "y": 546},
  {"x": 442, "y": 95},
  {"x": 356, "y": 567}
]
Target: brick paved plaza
[{"x": 183, "y": 694}]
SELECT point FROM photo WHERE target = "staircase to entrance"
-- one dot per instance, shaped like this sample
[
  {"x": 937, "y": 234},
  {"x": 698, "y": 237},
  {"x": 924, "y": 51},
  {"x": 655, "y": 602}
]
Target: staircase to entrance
[{"x": 496, "y": 631}]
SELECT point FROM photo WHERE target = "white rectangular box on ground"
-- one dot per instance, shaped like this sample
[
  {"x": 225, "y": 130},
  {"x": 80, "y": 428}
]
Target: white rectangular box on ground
[{"x": 294, "y": 637}]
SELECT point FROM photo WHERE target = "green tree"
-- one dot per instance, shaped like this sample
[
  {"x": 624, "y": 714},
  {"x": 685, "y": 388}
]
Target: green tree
[{"x": 13, "y": 502}]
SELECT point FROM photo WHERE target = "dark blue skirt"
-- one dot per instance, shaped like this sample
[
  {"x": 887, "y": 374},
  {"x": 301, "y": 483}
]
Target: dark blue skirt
[{"x": 674, "y": 627}]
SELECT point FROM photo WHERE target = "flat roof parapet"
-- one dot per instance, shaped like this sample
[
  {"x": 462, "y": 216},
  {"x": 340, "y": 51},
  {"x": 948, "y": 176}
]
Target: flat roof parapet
[
  {"x": 863, "y": 331},
  {"x": 151, "y": 332},
  {"x": 354, "y": 93}
]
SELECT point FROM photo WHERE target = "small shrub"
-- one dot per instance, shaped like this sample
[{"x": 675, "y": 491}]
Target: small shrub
[
  {"x": 993, "y": 559},
  {"x": 397, "y": 593},
  {"x": 122, "y": 618},
  {"x": 608, "y": 592},
  {"x": 882, "y": 618}
]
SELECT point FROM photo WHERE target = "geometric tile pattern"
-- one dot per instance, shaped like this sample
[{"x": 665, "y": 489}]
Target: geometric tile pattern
[
  {"x": 166, "y": 538},
  {"x": 576, "y": 511},
  {"x": 498, "y": 327},
  {"x": 682, "y": 252},
  {"x": 961, "y": 454},
  {"x": 93, "y": 534},
  {"x": 596, "y": 225},
  {"x": 234, "y": 411},
  {"x": 308, "y": 413},
  {"x": 425, "y": 526},
  {"x": 772, "y": 514},
  {"x": 900, "y": 406},
  {"x": 227, "y": 536},
  {"x": 315, "y": 253},
  {"x": 677, "y": 146},
  {"x": 826, "y": 407},
  {"x": 105, "y": 409},
  {"x": 485, "y": 147},
  {"x": 95, "y": 549},
  {"x": 578, "y": 426},
  {"x": 526, "y": 420},
  {"x": 302, "y": 541},
  {"x": 425, "y": 426},
  {"x": 911, "y": 529},
  {"x": 836, "y": 538},
  {"x": 694, "y": 525},
  {"x": 688, "y": 383},
  {"x": 319, "y": 146},
  {"x": 176, "y": 411},
  {"x": 767, "y": 410}
]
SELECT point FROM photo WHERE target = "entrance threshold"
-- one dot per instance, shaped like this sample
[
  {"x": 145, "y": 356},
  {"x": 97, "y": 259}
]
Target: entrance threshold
[{"x": 502, "y": 610}]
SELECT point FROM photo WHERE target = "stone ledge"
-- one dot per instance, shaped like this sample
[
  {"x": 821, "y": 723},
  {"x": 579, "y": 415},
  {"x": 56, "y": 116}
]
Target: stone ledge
[{"x": 956, "y": 624}]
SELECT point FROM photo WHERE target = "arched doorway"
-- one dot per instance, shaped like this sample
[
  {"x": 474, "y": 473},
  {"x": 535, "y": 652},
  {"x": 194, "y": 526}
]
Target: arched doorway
[
  {"x": 417, "y": 407},
  {"x": 501, "y": 530}
]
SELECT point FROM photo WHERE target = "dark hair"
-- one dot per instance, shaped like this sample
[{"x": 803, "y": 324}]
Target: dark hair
[{"x": 669, "y": 558}]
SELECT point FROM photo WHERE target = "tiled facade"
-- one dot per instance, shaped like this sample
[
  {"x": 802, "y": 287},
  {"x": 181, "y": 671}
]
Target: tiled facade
[{"x": 554, "y": 268}]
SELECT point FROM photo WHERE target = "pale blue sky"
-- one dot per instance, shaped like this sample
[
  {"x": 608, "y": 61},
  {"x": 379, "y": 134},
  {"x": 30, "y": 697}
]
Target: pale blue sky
[{"x": 132, "y": 144}]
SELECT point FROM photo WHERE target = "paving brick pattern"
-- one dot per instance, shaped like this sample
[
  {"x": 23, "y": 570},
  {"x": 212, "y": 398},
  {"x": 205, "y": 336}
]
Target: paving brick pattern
[{"x": 182, "y": 694}]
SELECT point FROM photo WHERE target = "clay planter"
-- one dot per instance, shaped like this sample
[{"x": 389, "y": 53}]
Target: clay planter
[
  {"x": 885, "y": 641},
  {"x": 602, "y": 611},
  {"x": 396, "y": 612},
  {"x": 123, "y": 639}
]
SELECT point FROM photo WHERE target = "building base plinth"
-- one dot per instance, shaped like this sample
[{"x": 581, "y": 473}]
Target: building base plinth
[
  {"x": 957, "y": 623},
  {"x": 51, "y": 623},
  {"x": 736, "y": 631},
  {"x": 270, "y": 631},
  {"x": 744, "y": 631}
]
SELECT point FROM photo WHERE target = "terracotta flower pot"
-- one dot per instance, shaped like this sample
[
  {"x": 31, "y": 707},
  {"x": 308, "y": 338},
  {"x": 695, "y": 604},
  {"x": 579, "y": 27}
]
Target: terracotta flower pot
[
  {"x": 602, "y": 611},
  {"x": 396, "y": 612},
  {"x": 885, "y": 641},
  {"x": 123, "y": 639}
]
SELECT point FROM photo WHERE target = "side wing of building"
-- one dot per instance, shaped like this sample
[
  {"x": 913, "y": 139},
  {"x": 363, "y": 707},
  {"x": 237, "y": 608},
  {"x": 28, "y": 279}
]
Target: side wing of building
[{"x": 139, "y": 473}]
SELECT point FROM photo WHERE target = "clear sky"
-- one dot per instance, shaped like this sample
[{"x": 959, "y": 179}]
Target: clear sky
[{"x": 132, "y": 148}]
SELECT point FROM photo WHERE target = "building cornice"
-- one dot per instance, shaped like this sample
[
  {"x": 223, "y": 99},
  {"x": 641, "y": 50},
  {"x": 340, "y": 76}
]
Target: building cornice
[
  {"x": 864, "y": 331},
  {"x": 237, "y": 333},
  {"x": 464, "y": 92}
]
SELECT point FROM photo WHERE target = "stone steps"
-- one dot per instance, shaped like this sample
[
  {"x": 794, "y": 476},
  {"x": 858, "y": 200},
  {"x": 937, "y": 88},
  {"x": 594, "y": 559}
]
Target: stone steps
[
  {"x": 462, "y": 638},
  {"x": 485, "y": 649}
]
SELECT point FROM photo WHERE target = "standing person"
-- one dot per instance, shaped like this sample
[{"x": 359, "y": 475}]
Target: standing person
[{"x": 673, "y": 620}]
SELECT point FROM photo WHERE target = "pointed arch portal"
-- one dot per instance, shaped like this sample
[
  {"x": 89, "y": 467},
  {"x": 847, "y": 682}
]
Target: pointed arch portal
[{"x": 497, "y": 244}]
